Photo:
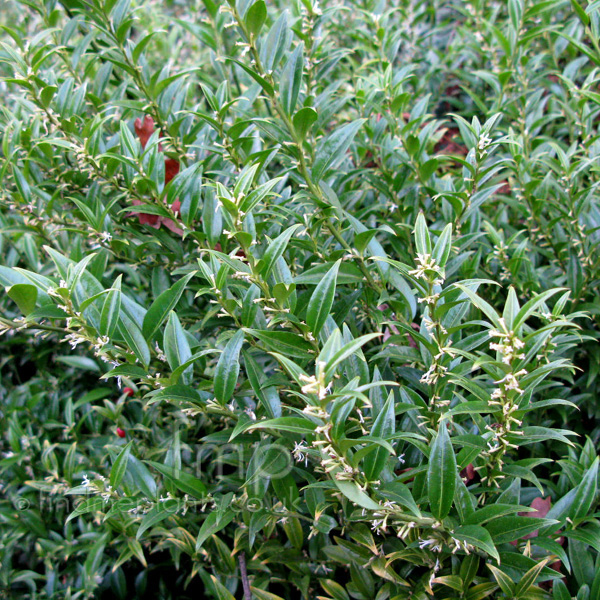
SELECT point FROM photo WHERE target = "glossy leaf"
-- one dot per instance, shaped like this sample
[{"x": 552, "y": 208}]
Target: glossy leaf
[
  {"x": 228, "y": 369},
  {"x": 321, "y": 300},
  {"x": 441, "y": 474}
]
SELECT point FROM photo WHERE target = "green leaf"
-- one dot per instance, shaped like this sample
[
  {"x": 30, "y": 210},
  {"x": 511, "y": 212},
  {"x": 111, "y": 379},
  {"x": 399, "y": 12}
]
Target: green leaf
[
  {"x": 93, "y": 504},
  {"x": 384, "y": 426},
  {"x": 213, "y": 523},
  {"x": 412, "y": 145},
  {"x": 221, "y": 591},
  {"x": 422, "y": 237},
  {"x": 140, "y": 477},
  {"x": 362, "y": 239},
  {"x": 47, "y": 311},
  {"x": 111, "y": 310},
  {"x": 529, "y": 579},
  {"x": 400, "y": 493},
  {"x": 477, "y": 536},
  {"x": 261, "y": 594},
  {"x": 47, "y": 94},
  {"x": 511, "y": 309},
  {"x": 321, "y": 300},
  {"x": 586, "y": 493},
  {"x": 276, "y": 248},
  {"x": 185, "y": 482},
  {"x": 345, "y": 351},
  {"x": 134, "y": 339},
  {"x": 292, "y": 424},
  {"x": 589, "y": 535},
  {"x": 176, "y": 374},
  {"x": 256, "y": 17},
  {"x": 532, "y": 305},
  {"x": 132, "y": 371},
  {"x": 583, "y": 16},
  {"x": 120, "y": 466},
  {"x": 163, "y": 305},
  {"x": 482, "y": 305},
  {"x": 351, "y": 490},
  {"x": 156, "y": 515},
  {"x": 493, "y": 511},
  {"x": 332, "y": 150},
  {"x": 264, "y": 84},
  {"x": 22, "y": 184},
  {"x": 428, "y": 168},
  {"x": 560, "y": 591},
  {"x": 283, "y": 342},
  {"x": 291, "y": 79},
  {"x": 176, "y": 346},
  {"x": 24, "y": 295},
  {"x": 228, "y": 369},
  {"x": 443, "y": 246},
  {"x": 441, "y": 474},
  {"x": 177, "y": 394},
  {"x": 245, "y": 180},
  {"x": 303, "y": 120},
  {"x": 277, "y": 42},
  {"x": 297, "y": 372},
  {"x": 581, "y": 47},
  {"x": 504, "y": 581},
  {"x": 141, "y": 45},
  {"x": 509, "y": 529},
  {"x": 268, "y": 395}
]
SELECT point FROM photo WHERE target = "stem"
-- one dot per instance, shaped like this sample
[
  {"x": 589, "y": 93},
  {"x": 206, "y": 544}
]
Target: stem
[{"x": 244, "y": 576}]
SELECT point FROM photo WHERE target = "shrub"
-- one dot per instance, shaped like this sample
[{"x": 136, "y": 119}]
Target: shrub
[{"x": 300, "y": 301}]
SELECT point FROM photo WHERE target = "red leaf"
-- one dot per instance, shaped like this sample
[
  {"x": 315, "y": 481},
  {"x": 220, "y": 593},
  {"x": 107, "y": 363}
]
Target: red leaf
[
  {"x": 144, "y": 129},
  {"x": 171, "y": 169}
]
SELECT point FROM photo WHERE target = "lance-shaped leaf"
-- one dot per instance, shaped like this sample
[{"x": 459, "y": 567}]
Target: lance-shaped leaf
[
  {"x": 441, "y": 474},
  {"x": 176, "y": 346},
  {"x": 228, "y": 368},
  {"x": 109, "y": 317},
  {"x": 284, "y": 342},
  {"x": 321, "y": 300},
  {"x": 477, "y": 536},
  {"x": 585, "y": 494},
  {"x": 422, "y": 237},
  {"x": 134, "y": 339},
  {"x": 332, "y": 150},
  {"x": 163, "y": 305},
  {"x": 276, "y": 43},
  {"x": 291, "y": 79},
  {"x": 351, "y": 490},
  {"x": 120, "y": 465},
  {"x": 215, "y": 521},
  {"x": 185, "y": 482},
  {"x": 384, "y": 426},
  {"x": 443, "y": 246},
  {"x": 276, "y": 248},
  {"x": 345, "y": 351}
]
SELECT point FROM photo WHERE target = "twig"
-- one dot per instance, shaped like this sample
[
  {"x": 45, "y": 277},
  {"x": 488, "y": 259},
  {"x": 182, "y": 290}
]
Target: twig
[{"x": 244, "y": 575}]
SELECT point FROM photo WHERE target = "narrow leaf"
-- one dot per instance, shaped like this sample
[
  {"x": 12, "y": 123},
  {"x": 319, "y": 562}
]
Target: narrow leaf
[
  {"x": 228, "y": 369},
  {"x": 441, "y": 474},
  {"x": 321, "y": 300}
]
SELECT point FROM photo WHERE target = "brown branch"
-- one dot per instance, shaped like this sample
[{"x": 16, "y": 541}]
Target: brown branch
[{"x": 244, "y": 575}]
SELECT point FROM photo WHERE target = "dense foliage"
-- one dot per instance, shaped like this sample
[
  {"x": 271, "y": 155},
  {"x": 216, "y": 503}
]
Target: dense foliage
[{"x": 300, "y": 301}]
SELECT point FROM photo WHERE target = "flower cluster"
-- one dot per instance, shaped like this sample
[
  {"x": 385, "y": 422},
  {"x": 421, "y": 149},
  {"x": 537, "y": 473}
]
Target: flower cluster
[
  {"x": 428, "y": 268},
  {"x": 509, "y": 345},
  {"x": 506, "y": 397}
]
